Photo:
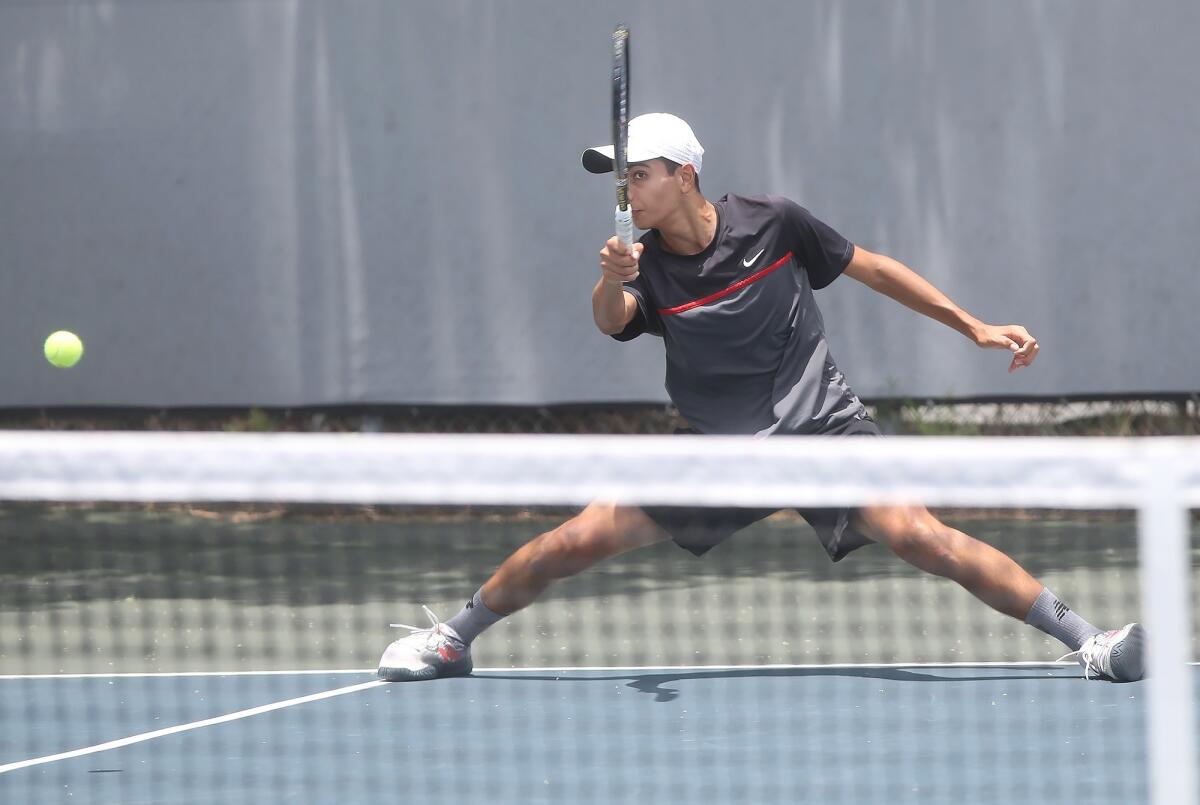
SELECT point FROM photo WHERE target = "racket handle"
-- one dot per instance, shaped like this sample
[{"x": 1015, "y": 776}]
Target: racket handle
[{"x": 625, "y": 225}]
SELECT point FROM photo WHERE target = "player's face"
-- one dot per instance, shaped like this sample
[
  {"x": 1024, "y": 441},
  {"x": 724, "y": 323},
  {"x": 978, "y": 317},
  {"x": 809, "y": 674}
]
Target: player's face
[{"x": 654, "y": 194}]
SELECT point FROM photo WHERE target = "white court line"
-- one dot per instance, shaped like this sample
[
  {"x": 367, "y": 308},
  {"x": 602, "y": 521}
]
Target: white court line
[
  {"x": 816, "y": 666},
  {"x": 781, "y": 667},
  {"x": 560, "y": 668},
  {"x": 140, "y": 674},
  {"x": 570, "y": 668},
  {"x": 208, "y": 722}
]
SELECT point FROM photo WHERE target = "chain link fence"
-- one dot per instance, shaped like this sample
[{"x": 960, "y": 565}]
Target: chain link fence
[{"x": 1163, "y": 416}]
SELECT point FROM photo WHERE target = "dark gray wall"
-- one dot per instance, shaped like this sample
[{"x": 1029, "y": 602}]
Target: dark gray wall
[{"x": 283, "y": 203}]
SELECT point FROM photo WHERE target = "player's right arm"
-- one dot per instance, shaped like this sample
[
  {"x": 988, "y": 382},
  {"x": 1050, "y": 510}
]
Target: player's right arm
[{"x": 612, "y": 306}]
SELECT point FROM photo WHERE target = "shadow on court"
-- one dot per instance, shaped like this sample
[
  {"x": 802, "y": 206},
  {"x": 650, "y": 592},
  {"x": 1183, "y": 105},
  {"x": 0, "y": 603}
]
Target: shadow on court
[{"x": 655, "y": 683}]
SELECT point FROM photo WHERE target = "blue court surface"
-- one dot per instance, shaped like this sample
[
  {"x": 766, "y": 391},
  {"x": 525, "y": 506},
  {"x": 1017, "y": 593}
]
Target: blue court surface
[{"x": 940, "y": 733}]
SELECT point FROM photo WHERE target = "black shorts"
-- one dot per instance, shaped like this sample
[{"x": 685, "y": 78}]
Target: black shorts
[{"x": 700, "y": 528}]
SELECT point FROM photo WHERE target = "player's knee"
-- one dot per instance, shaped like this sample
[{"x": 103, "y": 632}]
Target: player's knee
[
  {"x": 920, "y": 541},
  {"x": 572, "y": 547}
]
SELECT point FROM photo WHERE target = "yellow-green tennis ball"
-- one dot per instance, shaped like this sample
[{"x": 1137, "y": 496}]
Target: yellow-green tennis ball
[{"x": 63, "y": 349}]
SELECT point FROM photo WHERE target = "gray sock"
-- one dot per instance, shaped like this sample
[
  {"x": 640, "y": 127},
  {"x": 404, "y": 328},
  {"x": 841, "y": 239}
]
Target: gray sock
[
  {"x": 1055, "y": 619},
  {"x": 473, "y": 618}
]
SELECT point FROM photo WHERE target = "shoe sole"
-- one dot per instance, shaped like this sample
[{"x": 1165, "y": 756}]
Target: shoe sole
[
  {"x": 1130, "y": 664},
  {"x": 424, "y": 674}
]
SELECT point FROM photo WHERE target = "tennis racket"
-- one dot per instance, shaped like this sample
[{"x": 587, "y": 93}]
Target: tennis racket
[{"x": 620, "y": 121}]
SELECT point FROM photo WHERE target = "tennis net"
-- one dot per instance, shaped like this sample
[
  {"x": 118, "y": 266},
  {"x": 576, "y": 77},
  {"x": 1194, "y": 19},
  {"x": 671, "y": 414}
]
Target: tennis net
[{"x": 197, "y": 617}]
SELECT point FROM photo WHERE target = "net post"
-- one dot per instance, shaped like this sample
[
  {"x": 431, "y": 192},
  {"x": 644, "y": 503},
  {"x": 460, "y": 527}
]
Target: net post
[{"x": 1163, "y": 559}]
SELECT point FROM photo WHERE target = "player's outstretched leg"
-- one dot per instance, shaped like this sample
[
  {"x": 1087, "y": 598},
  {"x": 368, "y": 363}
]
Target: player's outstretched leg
[
  {"x": 444, "y": 649},
  {"x": 922, "y": 540}
]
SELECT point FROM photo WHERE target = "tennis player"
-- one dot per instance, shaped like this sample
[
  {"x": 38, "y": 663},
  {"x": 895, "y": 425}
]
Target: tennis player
[{"x": 728, "y": 286}]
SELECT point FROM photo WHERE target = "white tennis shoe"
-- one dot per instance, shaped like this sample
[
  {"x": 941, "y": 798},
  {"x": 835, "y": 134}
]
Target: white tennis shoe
[
  {"x": 1118, "y": 656},
  {"x": 427, "y": 652}
]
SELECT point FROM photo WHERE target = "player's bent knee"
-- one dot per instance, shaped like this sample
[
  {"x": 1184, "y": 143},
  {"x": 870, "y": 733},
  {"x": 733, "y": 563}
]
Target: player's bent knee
[{"x": 569, "y": 549}]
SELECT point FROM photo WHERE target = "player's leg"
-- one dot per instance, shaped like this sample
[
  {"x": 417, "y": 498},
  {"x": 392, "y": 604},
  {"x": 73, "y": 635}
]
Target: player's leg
[
  {"x": 920, "y": 539},
  {"x": 600, "y": 531},
  {"x": 915, "y": 535}
]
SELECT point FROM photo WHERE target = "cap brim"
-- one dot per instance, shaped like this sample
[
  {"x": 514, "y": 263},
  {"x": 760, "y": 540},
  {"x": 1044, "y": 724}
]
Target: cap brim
[{"x": 598, "y": 159}]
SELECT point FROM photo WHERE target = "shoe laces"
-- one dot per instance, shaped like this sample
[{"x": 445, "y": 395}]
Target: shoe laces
[
  {"x": 435, "y": 632},
  {"x": 1095, "y": 655}
]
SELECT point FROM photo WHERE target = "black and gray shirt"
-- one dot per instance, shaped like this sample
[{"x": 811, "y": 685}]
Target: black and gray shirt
[{"x": 746, "y": 348}]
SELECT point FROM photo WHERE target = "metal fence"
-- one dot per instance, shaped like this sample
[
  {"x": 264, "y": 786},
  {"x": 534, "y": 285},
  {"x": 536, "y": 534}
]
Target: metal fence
[{"x": 1164, "y": 416}]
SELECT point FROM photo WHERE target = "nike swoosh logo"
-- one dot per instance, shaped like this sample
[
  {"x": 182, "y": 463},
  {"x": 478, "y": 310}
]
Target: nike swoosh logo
[{"x": 749, "y": 261}]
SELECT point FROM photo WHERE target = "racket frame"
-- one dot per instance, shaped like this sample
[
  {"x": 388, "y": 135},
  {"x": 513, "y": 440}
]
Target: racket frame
[{"x": 620, "y": 121}]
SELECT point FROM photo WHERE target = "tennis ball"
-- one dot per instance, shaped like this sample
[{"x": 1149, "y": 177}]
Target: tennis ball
[{"x": 63, "y": 349}]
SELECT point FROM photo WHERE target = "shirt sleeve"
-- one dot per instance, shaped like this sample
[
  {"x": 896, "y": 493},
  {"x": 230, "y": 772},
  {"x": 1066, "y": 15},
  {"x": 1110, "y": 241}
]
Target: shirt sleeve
[
  {"x": 646, "y": 319},
  {"x": 821, "y": 251}
]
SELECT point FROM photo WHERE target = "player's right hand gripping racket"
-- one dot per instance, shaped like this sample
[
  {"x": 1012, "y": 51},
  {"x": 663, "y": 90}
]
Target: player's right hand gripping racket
[{"x": 620, "y": 120}]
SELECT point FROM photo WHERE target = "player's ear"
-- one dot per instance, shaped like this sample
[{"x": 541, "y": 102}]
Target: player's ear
[{"x": 688, "y": 178}]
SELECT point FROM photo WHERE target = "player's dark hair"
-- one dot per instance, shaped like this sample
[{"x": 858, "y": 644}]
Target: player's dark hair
[{"x": 673, "y": 166}]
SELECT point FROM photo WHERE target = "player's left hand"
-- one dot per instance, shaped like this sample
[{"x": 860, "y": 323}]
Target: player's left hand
[{"x": 1012, "y": 337}]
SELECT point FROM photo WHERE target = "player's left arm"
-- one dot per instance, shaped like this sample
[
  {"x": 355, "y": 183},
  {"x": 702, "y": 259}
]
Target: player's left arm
[{"x": 896, "y": 280}]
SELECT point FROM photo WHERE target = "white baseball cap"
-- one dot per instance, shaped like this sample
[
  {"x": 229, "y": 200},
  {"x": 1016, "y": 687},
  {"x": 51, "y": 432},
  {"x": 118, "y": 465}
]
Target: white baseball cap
[{"x": 651, "y": 136}]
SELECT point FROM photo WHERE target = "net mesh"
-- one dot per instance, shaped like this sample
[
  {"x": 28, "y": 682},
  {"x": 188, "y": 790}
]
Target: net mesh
[{"x": 188, "y": 582}]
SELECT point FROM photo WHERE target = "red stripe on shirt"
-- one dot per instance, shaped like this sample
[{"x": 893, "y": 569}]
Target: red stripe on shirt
[{"x": 737, "y": 286}]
